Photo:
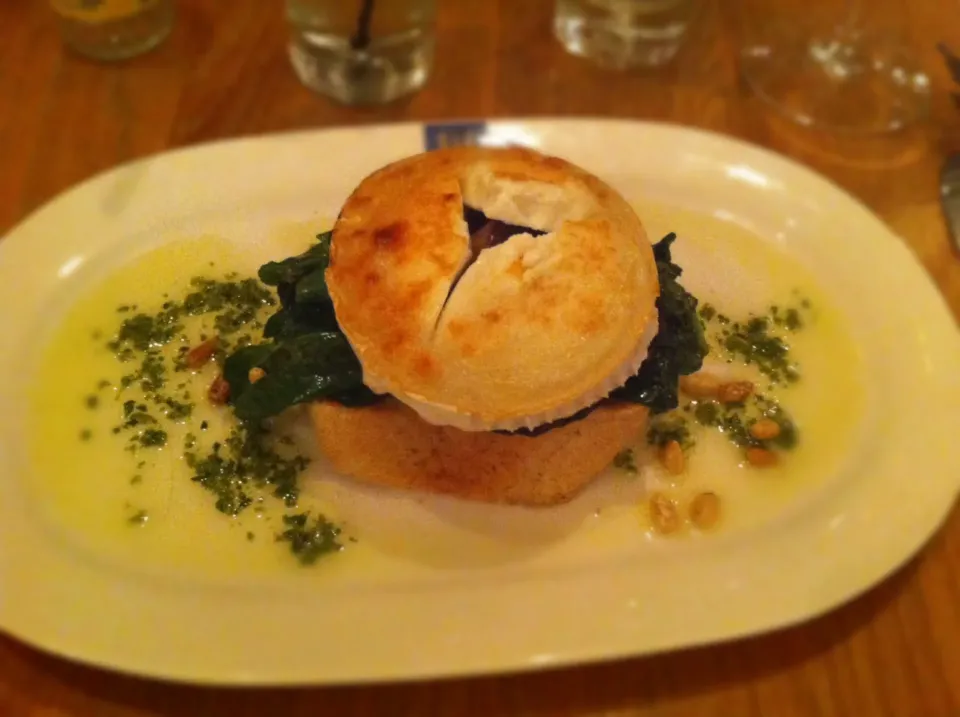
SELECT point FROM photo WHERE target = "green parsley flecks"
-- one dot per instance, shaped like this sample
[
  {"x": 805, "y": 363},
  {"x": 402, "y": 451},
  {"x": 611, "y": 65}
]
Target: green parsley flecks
[
  {"x": 625, "y": 461},
  {"x": 140, "y": 341},
  {"x": 761, "y": 341},
  {"x": 245, "y": 460},
  {"x": 155, "y": 347},
  {"x": 310, "y": 540}
]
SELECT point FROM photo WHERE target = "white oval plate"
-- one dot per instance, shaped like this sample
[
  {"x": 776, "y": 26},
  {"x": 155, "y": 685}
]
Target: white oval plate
[{"x": 642, "y": 598}]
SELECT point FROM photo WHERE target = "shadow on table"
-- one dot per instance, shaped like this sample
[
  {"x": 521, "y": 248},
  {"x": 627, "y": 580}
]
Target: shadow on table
[
  {"x": 63, "y": 688},
  {"x": 837, "y": 153}
]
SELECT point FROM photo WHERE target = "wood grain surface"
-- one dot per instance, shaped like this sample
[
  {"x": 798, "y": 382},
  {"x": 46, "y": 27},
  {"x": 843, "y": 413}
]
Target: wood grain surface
[{"x": 224, "y": 73}]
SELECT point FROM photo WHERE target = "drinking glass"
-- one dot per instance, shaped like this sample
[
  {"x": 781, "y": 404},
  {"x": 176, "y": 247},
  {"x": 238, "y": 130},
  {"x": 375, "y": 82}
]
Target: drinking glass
[
  {"x": 362, "y": 51},
  {"x": 113, "y": 29},
  {"x": 623, "y": 34},
  {"x": 843, "y": 74}
]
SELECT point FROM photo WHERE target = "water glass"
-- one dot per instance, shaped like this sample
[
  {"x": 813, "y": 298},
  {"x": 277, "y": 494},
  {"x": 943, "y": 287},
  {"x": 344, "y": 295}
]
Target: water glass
[
  {"x": 113, "y": 29},
  {"x": 842, "y": 67},
  {"x": 362, "y": 51},
  {"x": 624, "y": 34}
]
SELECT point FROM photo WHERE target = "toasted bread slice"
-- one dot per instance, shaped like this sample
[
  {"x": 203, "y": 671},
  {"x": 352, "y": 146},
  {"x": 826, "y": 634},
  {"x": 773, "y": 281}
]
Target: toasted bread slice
[{"x": 389, "y": 445}]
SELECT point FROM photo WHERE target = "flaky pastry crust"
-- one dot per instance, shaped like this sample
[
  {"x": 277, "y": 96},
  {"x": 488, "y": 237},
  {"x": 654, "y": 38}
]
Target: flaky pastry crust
[{"x": 534, "y": 329}]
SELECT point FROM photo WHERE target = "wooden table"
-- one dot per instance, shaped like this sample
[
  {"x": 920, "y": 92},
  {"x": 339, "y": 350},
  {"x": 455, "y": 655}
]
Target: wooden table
[{"x": 224, "y": 72}]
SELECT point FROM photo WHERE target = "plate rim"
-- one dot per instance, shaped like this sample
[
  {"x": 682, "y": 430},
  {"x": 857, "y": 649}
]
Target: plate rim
[{"x": 934, "y": 302}]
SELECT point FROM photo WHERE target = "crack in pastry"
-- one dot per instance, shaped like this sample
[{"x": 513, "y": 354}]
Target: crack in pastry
[{"x": 484, "y": 234}]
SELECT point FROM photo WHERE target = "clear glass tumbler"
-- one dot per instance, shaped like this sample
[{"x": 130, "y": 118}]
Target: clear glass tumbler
[
  {"x": 624, "y": 34},
  {"x": 114, "y": 29},
  {"x": 362, "y": 51}
]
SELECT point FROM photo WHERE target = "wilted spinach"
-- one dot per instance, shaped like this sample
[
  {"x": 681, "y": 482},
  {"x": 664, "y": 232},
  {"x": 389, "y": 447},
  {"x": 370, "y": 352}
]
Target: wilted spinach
[
  {"x": 679, "y": 346},
  {"x": 305, "y": 356}
]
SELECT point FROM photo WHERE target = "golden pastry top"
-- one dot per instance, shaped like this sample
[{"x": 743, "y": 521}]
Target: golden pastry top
[{"x": 525, "y": 332}]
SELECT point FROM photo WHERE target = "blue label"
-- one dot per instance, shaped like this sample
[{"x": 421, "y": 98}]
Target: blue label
[{"x": 438, "y": 136}]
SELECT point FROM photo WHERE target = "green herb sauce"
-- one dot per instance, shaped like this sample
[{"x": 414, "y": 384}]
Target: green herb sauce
[
  {"x": 625, "y": 461},
  {"x": 309, "y": 541},
  {"x": 669, "y": 427},
  {"x": 246, "y": 459},
  {"x": 249, "y": 459},
  {"x": 760, "y": 340},
  {"x": 140, "y": 339}
]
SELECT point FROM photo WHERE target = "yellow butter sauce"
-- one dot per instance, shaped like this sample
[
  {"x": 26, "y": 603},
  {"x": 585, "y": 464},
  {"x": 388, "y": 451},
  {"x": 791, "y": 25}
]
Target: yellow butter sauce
[
  {"x": 142, "y": 505},
  {"x": 738, "y": 273},
  {"x": 83, "y": 487}
]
